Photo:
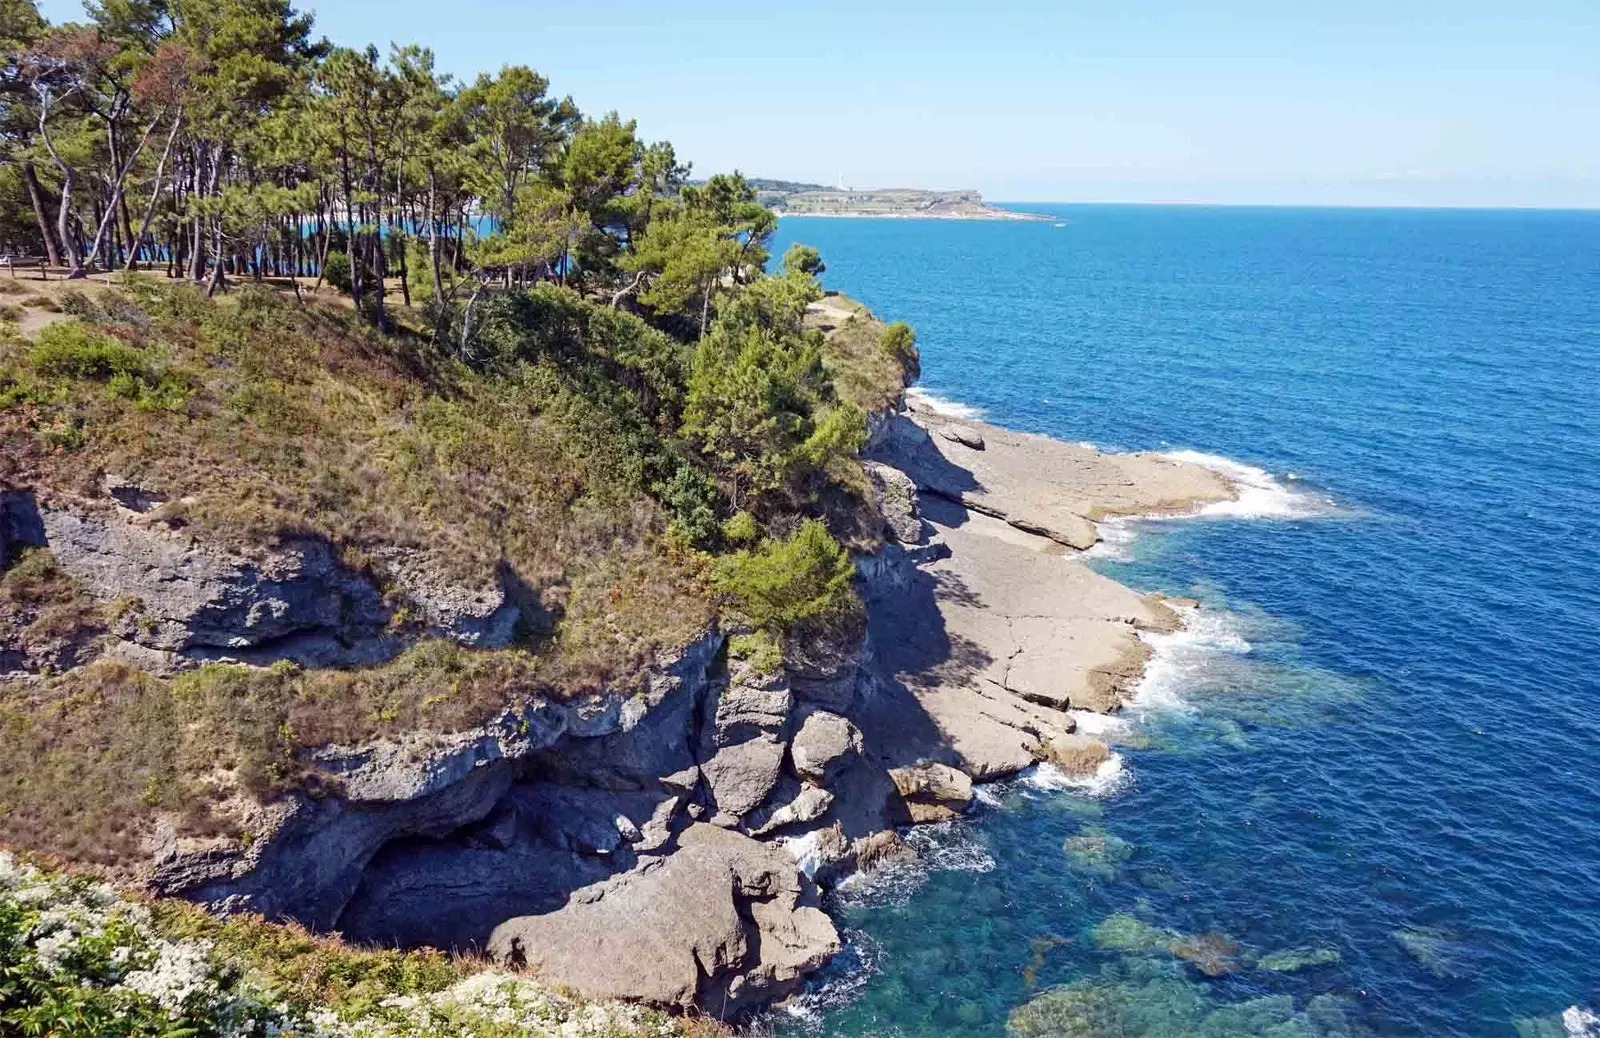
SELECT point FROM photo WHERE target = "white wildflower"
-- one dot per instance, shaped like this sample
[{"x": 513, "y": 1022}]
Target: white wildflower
[{"x": 180, "y": 971}]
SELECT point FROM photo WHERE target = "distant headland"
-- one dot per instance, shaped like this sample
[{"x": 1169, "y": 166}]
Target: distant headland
[{"x": 788, "y": 198}]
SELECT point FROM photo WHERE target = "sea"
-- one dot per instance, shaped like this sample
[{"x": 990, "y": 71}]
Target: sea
[{"x": 1360, "y": 794}]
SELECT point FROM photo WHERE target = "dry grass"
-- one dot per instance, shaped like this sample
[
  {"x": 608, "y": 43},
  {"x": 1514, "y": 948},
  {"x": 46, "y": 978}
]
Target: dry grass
[
  {"x": 47, "y": 620},
  {"x": 302, "y": 421},
  {"x": 864, "y": 372},
  {"x": 258, "y": 419}
]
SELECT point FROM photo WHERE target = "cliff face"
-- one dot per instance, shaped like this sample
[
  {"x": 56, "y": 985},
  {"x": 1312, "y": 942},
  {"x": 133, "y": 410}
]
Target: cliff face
[
  {"x": 652, "y": 800},
  {"x": 363, "y": 741}
]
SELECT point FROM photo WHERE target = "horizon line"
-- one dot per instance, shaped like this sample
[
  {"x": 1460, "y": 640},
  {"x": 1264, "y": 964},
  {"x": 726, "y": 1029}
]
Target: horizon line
[{"x": 1480, "y": 206}]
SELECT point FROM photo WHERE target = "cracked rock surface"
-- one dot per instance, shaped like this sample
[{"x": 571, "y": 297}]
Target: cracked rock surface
[{"x": 1002, "y": 631}]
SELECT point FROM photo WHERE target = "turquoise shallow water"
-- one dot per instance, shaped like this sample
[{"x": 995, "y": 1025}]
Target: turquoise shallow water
[{"x": 1382, "y": 746}]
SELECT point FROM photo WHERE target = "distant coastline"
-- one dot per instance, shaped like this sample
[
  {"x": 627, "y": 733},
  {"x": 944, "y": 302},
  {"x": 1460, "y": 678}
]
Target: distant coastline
[
  {"x": 991, "y": 213},
  {"x": 790, "y": 198}
]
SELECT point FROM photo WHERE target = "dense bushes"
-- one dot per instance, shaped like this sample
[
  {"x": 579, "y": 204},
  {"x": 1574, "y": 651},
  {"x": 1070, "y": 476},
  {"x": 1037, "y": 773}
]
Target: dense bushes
[{"x": 799, "y": 583}]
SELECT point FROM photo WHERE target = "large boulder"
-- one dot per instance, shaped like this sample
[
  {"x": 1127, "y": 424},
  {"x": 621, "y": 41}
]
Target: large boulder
[
  {"x": 932, "y": 792},
  {"x": 896, "y": 495},
  {"x": 964, "y": 435},
  {"x": 820, "y": 747},
  {"x": 740, "y": 776},
  {"x": 725, "y": 923},
  {"x": 742, "y": 738},
  {"x": 804, "y": 803},
  {"x": 1075, "y": 754}
]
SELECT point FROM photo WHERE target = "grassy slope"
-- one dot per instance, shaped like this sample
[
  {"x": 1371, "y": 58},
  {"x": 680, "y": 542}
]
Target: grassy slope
[
  {"x": 258, "y": 419},
  {"x": 864, "y": 372}
]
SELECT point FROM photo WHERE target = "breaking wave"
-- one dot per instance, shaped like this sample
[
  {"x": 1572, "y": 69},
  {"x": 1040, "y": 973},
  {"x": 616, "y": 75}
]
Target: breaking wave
[
  {"x": 1188, "y": 658},
  {"x": 953, "y": 846},
  {"x": 1580, "y": 1023},
  {"x": 1261, "y": 495},
  {"x": 939, "y": 405},
  {"x": 1109, "y": 778}
]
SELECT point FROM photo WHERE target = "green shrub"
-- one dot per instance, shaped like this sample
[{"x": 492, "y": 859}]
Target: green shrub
[
  {"x": 740, "y": 529},
  {"x": 69, "y": 349},
  {"x": 799, "y": 583},
  {"x": 690, "y": 500},
  {"x": 759, "y": 650},
  {"x": 337, "y": 272},
  {"x": 900, "y": 342},
  {"x": 77, "y": 304}
]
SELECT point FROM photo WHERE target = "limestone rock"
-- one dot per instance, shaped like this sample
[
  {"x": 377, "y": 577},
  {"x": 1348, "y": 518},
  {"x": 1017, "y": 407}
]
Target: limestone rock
[
  {"x": 724, "y": 922},
  {"x": 643, "y": 740},
  {"x": 896, "y": 495},
  {"x": 1075, "y": 754},
  {"x": 296, "y": 600},
  {"x": 825, "y": 671},
  {"x": 807, "y": 805},
  {"x": 740, "y": 776},
  {"x": 964, "y": 435},
  {"x": 310, "y": 854},
  {"x": 932, "y": 792},
  {"x": 184, "y": 594},
  {"x": 741, "y": 743},
  {"x": 880, "y": 849},
  {"x": 484, "y": 616},
  {"x": 750, "y": 704},
  {"x": 823, "y": 739}
]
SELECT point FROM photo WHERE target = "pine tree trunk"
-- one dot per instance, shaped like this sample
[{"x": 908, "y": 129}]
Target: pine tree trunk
[{"x": 36, "y": 196}]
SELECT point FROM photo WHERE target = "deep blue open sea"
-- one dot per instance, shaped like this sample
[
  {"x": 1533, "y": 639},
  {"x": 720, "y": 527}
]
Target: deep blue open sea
[{"x": 1369, "y": 778}]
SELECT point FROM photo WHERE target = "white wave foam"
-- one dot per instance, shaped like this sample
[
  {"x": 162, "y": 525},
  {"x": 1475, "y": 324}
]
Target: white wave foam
[
  {"x": 939, "y": 405},
  {"x": 987, "y": 795},
  {"x": 953, "y": 846},
  {"x": 1091, "y": 723},
  {"x": 1580, "y": 1023},
  {"x": 805, "y": 850},
  {"x": 1108, "y": 778},
  {"x": 1261, "y": 496},
  {"x": 1117, "y": 536},
  {"x": 841, "y": 983},
  {"x": 1180, "y": 660}
]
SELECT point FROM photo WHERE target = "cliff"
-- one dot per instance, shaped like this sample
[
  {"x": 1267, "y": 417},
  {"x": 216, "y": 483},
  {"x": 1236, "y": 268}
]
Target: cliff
[{"x": 329, "y": 632}]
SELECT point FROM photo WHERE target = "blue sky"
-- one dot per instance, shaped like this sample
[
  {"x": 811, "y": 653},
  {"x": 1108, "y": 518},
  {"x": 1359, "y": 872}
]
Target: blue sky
[{"x": 1360, "y": 103}]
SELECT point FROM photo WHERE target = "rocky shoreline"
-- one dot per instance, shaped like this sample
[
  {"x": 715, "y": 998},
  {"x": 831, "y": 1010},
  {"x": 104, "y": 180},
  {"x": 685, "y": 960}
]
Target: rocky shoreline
[{"x": 669, "y": 847}]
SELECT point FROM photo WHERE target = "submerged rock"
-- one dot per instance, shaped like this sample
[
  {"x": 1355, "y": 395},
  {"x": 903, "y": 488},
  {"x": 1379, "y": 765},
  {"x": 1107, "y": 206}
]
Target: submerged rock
[
  {"x": 1129, "y": 934},
  {"x": 1431, "y": 948},
  {"x": 1143, "y": 999},
  {"x": 1213, "y": 954},
  {"x": 1288, "y": 960},
  {"x": 1097, "y": 853}
]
